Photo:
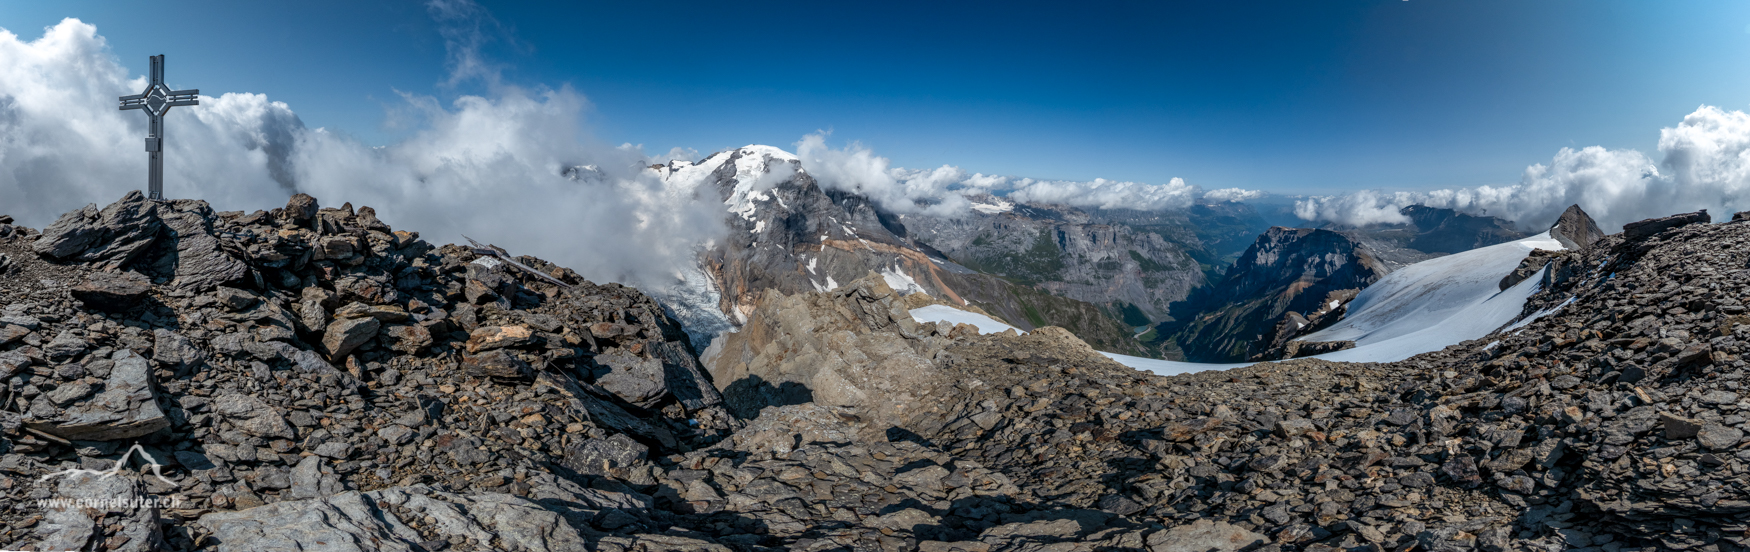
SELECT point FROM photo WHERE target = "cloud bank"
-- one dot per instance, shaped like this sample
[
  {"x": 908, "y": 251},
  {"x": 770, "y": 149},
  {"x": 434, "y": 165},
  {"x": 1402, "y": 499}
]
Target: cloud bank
[
  {"x": 492, "y": 167},
  {"x": 942, "y": 191},
  {"x": 1705, "y": 165}
]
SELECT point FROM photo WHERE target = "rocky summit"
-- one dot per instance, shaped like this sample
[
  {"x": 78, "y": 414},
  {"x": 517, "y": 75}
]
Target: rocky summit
[{"x": 307, "y": 378}]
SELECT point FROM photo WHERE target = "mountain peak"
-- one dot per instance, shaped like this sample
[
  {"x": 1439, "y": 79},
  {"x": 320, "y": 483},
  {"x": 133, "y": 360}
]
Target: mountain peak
[{"x": 1575, "y": 229}]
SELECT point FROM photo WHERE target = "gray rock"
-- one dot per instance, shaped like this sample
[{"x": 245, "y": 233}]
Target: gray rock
[
  {"x": 381, "y": 521},
  {"x": 300, "y": 209},
  {"x": 102, "y": 501},
  {"x": 605, "y": 456},
  {"x": 65, "y": 344},
  {"x": 1204, "y": 536},
  {"x": 1719, "y": 437},
  {"x": 173, "y": 349},
  {"x": 334, "y": 449},
  {"x": 345, "y": 334},
  {"x": 397, "y": 434},
  {"x": 410, "y": 339},
  {"x": 253, "y": 416},
  {"x": 640, "y": 381},
  {"x": 497, "y": 363},
  {"x": 106, "y": 239},
  {"x": 202, "y": 262},
  {"x": 1575, "y": 229},
  {"x": 127, "y": 407},
  {"x": 113, "y": 291},
  {"x": 309, "y": 481},
  {"x": 1644, "y": 228}
]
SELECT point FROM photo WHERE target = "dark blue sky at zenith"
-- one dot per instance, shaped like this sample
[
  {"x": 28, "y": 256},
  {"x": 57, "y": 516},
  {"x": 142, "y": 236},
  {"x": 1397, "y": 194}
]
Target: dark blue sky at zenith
[{"x": 1289, "y": 97}]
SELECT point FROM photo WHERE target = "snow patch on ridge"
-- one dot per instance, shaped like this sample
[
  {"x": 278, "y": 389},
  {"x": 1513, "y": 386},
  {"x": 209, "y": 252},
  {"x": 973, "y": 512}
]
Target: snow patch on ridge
[{"x": 951, "y": 315}]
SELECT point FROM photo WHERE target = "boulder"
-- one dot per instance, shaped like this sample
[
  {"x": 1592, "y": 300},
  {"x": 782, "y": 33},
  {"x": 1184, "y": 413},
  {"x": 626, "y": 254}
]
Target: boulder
[
  {"x": 496, "y": 363},
  {"x": 1575, "y": 229},
  {"x": 345, "y": 334},
  {"x": 300, "y": 209},
  {"x": 638, "y": 380},
  {"x": 1204, "y": 536},
  {"x": 110, "y": 513},
  {"x": 383, "y": 520},
  {"x": 105, "y": 239},
  {"x": 113, "y": 291},
  {"x": 1642, "y": 229},
  {"x": 252, "y": 416},
  {"x": 127, "y": 407},
  {"x": 605, "y": 456},
  {"x": 202, "y": 261},
  {"x": 407, "y": 338},
  {"x": 486, "y": 338}
]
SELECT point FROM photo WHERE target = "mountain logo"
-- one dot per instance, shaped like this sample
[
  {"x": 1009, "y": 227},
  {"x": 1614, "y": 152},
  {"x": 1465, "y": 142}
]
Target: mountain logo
[{"x": 150, "y": 461}]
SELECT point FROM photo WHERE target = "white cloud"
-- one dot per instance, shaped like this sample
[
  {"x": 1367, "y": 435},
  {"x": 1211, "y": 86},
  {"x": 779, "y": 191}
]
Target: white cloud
[
  {"x": 941, "y": 191},
  {"x": 856, "y": 168},
  {"x": 1234, "y": 194},
  {"x": 489, "y": 167},
  {"x": 1706, "y": 165}
]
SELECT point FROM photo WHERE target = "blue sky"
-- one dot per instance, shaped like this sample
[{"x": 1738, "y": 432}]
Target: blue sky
[{"x": 1290, "y": 97}]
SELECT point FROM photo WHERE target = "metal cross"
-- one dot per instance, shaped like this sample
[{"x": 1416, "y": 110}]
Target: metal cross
[{"x": 157, "y": 100}]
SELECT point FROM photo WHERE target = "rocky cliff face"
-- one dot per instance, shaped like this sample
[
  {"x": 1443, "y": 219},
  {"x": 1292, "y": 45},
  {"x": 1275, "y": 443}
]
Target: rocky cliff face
[
  {"x": 1286, "y": 270},
  {"x": 1067, "y": 252}
]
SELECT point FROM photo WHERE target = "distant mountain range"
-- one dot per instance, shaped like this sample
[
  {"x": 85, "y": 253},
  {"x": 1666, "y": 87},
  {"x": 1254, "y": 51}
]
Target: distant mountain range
[{"x": 1203, "y": 283}]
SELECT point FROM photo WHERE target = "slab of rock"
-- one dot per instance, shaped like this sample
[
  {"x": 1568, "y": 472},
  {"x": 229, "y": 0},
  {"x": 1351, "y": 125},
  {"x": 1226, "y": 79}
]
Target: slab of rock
[
  {"x": 253, "y": 416},
  {"x": 382, "y": 521},
  {"x": 640, "y": 381},
  {"x": 105, "y": 239},
  {"x": 1641, "y": 229},
  {"x": 486, "y": 338},
  {"x": 104, "y": 503},
  {"x": 605, "y": 456},
  {"x": 497, "y": 364},
  {"x": 345, "y": 334},
  {"x": 113, "y": 291},
  {"x": 407, "y": 338},
  {"x": 1204, "y": 536},
  {"x": 1575, "y": 229},
  {"x": 127, "y": 407},
  {"x": 202, "y": 263},
  {"x": 383, "y": 313}
]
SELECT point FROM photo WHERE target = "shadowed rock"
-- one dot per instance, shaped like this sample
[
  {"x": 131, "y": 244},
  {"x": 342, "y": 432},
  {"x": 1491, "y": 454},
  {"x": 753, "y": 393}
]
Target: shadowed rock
[
  {"x": 113, "y": 291},
  {"x": 1642, "y": 229}
]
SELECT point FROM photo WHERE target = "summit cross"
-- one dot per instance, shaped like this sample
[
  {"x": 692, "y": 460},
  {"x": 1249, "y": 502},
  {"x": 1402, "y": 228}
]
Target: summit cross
[{"x": 157, "y": 101}]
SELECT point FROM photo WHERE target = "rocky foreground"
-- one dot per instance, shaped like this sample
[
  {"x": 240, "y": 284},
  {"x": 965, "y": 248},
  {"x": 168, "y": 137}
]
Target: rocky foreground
[{"x": 307, "y": 379}]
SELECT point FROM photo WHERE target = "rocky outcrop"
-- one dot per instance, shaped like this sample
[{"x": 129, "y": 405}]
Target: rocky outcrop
[
  {"x": 1533, "y": 262},
  {"x": 1286, "y": 270},
  {"x": 1575, "y": 229},
  {"x": 336, "y": 360},
  {"x": 1653, "y": 226},
  {"x": 854, "y": 346}
]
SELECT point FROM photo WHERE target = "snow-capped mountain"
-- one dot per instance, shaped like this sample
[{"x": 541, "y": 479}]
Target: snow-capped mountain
[{"x": 788, "y": 234}]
